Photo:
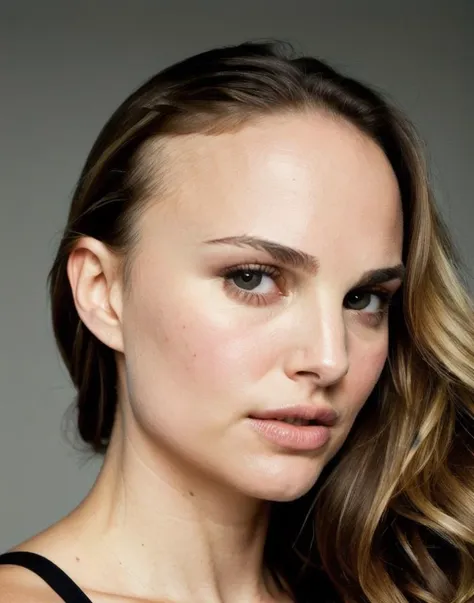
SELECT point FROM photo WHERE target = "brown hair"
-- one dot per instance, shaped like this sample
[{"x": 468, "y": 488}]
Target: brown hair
[{"x": 391, "y": 517}]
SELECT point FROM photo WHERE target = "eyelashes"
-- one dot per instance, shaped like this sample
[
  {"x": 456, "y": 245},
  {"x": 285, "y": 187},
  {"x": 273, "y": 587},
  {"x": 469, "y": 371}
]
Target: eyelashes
[
  {"x": 242, "y": 281},
  {"x": 261, "y": 285}
]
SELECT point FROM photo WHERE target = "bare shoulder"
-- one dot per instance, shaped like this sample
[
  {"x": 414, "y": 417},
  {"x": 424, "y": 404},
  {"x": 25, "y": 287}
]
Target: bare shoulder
[{"x": 19, "y": 585}]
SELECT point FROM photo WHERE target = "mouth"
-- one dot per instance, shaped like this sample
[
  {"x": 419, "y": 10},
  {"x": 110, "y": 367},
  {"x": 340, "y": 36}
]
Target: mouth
[
  {"x": 297, "y": 429},
  {"x": 292, "y": 421},
  {"x": 300, "y": 415}
]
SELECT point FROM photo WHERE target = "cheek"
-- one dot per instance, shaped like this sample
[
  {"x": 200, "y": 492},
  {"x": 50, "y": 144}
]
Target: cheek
[
  {"x": 366, "y": 365},
  {"x": 189, "y": 349},
  {"x": 217, "y": 355}
]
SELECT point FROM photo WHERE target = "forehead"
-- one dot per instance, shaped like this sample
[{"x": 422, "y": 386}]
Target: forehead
[{"x": 310, "y": 181}]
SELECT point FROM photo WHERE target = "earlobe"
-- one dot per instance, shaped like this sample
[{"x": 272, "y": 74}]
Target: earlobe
[{"x": 94, "y": 278}]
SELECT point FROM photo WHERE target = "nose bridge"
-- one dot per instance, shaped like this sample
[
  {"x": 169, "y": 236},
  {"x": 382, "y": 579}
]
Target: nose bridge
[{"x": 324, "y": 339}]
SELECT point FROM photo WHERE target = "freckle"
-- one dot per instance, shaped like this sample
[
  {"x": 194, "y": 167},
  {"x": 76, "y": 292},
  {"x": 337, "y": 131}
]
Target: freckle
[
  {"x": 77, "y": 559},
  {"x": 143, "y": 544},
  {"x": 191, "y": 493}
]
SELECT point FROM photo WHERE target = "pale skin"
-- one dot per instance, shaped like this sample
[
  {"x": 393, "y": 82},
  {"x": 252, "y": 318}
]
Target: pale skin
[{"x": 178, "y": 511}]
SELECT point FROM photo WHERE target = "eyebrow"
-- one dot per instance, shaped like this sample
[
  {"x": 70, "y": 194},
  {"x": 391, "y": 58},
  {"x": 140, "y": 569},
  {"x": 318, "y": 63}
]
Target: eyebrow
[
  {"x": 295, "y": 258},
  {"x": 280, "y": 253},
  {"x": 381, "y": 275}
]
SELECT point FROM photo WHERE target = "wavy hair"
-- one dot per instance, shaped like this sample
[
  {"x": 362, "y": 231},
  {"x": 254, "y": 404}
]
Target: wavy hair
[{"x": 391, "y": 518}]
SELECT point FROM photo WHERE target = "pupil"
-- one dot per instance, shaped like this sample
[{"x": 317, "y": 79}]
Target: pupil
[
  {"x": 359, "y": 300},
  {"x": 248, "y": 279}
]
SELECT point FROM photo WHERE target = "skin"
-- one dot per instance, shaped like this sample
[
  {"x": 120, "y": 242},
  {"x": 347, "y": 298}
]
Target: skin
[{"x": 178, "y": 511}]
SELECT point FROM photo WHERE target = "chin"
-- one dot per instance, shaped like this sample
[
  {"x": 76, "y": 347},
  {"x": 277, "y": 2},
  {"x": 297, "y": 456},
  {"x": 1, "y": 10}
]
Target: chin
[{"x": 284, "y": 485}]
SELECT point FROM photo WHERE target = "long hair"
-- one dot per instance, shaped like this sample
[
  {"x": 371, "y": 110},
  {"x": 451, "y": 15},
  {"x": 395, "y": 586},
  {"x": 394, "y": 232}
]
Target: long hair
[{"x": 391, "y": 518}]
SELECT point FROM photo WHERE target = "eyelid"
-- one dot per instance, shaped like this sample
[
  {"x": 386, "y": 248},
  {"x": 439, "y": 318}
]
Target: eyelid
[
  {"x": 385, "y": 294},
  {"x": 274, "y": 272},
  {"x": 390, "y": 287},
  {"x": 252, "y": 266},
  {"x": 382, "y": 290},
  {"x": 256, "y": 299}
]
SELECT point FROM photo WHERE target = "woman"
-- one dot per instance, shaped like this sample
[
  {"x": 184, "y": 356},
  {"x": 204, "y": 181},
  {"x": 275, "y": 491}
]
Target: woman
[{"x": 260, "y": 309}]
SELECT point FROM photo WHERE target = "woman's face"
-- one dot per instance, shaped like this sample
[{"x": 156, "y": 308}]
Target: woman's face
[{"x": 209, "y": 341}]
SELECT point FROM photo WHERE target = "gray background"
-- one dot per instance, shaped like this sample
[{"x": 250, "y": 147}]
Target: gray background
[{"x": 65, "y": 67}]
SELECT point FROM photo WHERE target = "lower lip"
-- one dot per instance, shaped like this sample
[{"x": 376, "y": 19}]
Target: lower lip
[{"x": 296, "y": 437}]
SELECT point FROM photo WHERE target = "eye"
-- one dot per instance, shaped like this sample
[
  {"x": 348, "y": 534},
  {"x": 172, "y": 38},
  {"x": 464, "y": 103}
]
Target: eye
[
  {"x": 250, "y": 280},
  {"x": 371, "y": 302},
  {"x": 253, "y": 283}
]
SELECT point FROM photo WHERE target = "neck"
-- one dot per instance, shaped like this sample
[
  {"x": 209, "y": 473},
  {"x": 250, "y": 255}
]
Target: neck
[{"x": 174, "y": 534}]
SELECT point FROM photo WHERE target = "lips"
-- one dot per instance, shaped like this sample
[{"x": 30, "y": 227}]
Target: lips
[
  {"x": 302, "y": 415},
  {"x": 281, "y": 433}
]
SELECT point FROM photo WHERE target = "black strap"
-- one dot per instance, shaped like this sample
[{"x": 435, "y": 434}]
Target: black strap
[{"x": 58, "y": 580}]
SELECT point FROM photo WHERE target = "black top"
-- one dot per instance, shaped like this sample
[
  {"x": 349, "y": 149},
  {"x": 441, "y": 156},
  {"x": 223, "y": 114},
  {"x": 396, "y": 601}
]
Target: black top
[{"x": 58, "y": 580}]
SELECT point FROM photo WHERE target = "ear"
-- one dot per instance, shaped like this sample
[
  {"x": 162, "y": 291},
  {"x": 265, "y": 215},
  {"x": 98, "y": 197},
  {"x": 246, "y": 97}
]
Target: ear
[{"x": 96, "y": 284}]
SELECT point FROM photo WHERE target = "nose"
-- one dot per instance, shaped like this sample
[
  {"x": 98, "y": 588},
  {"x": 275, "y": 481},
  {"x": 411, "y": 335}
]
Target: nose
[{"x": 319, "y": 347}]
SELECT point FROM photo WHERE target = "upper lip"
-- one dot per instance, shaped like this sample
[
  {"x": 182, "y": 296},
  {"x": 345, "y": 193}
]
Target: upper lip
[{"x": 322, "y": 414}]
